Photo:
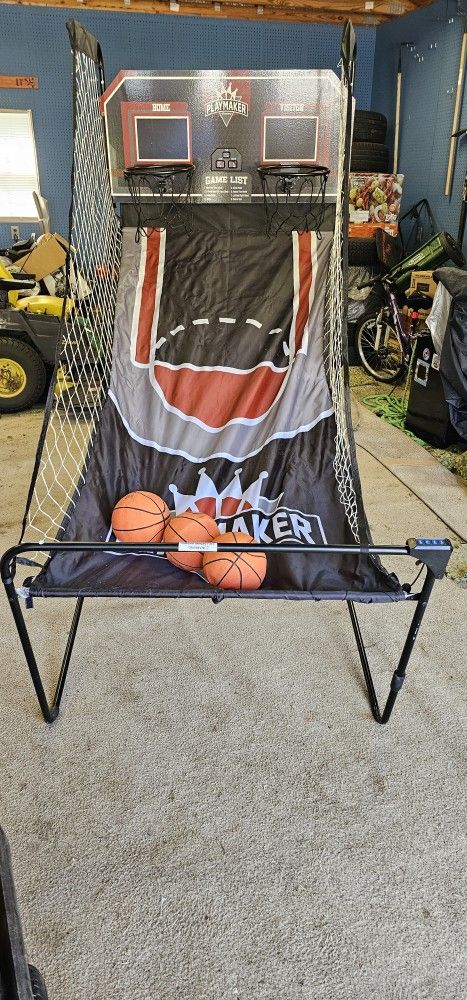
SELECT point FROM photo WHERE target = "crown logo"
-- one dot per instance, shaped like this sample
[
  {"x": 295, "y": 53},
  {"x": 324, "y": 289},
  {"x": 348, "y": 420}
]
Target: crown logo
[
  {"x": 227, "y": 103},
  {"x": 230, "y": 501},
  {"x": 228, "y": 93}
]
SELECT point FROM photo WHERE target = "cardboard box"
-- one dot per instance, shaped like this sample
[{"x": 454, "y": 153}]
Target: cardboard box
[
  {"x": 47, "y": 256},
  {"x": 422, "y": 282},
  {"x": 374, "y": 203}
]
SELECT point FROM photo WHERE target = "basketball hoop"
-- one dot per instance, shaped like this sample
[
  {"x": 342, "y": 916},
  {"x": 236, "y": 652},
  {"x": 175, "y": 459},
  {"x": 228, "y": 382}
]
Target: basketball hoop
[
  {"x": 293, "y": 197},
  {"x": 159, "y": 194}
]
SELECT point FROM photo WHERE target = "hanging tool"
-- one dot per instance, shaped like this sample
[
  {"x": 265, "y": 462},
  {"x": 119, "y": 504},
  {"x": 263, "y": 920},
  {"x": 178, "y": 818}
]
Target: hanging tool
[
  {"x": 398, "y": 114},
  {"x": 457, "y": 114},
  {"x": 395, "y": 162}
]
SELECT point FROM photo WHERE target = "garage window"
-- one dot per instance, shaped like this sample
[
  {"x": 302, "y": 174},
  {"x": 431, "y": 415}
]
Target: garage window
[{"x": 18, "y": 167}]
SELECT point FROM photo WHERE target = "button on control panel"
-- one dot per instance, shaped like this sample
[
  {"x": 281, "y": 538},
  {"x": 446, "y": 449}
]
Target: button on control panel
[{"x": 226, "y": 159}]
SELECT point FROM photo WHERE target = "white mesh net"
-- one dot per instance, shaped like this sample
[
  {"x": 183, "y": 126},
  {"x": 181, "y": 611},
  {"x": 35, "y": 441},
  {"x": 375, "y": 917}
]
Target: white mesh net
[
  {"x": 334, "y": 336},
  {"x": 83, "y": 369}
]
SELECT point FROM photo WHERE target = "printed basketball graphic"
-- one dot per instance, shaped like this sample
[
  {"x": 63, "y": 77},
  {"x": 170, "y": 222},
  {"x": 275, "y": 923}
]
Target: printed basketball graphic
[
  {"x": 217, "y": 394},
  {"x": 224, "y": 338}
]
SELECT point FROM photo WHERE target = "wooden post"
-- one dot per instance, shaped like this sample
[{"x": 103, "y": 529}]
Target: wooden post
[
  {"x": 457, "y": 114},
  {"x": 398, "y": 115}
]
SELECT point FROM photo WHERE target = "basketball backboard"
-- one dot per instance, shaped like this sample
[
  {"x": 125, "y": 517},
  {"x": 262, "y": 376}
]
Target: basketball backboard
[{"x": 227, "y": 122}]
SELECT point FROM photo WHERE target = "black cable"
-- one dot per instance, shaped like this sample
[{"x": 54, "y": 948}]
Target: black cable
[{"x": 409, "y": 586}]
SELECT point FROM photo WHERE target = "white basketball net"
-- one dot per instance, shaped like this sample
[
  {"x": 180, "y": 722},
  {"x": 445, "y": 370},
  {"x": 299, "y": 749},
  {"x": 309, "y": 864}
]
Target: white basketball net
[
  {"x": 84, "y": 365},
  {"x": 335, "y": 318}
]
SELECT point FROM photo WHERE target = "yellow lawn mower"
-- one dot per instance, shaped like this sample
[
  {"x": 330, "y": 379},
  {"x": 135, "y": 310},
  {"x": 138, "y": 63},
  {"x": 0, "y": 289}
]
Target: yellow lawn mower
[{"x": 29, "y": 329}]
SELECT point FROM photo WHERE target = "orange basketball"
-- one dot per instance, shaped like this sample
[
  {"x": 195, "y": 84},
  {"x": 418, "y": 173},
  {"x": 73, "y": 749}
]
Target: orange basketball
[
  {"x": 190, "y": 527},
  {"x": 140, "y": 517},
  {"x": 235, "y": 570}
]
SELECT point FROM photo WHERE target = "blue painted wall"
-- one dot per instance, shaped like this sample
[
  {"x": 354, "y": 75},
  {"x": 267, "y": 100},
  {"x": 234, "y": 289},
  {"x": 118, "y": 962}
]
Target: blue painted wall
[
  {"x": 427, "y": 105},
  {"x": 34, "y": 41}
]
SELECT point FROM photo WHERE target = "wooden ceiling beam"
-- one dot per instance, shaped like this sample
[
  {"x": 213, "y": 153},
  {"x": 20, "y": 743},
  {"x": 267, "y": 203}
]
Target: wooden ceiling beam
[
  {"x": 311, "y": 11},
  {"x": 349, "y": 7}
]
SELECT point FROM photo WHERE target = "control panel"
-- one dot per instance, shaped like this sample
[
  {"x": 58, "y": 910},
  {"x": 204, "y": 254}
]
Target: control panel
[{"x": 226, "y": 159}]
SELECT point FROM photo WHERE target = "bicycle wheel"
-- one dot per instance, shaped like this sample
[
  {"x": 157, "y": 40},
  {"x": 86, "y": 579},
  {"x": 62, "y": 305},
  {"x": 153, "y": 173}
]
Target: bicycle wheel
[{"x": 379, "y": 348}]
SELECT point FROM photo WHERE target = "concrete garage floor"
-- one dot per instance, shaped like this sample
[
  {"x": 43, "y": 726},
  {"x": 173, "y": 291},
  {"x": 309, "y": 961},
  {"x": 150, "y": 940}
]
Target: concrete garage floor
[{"x": 215, "y": 814}]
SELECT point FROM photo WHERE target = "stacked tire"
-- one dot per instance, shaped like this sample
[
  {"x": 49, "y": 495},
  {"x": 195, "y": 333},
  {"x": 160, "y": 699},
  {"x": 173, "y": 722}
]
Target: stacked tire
[
  {"x": 368, "y": 149},
  {"x": 369, "y": 154}
]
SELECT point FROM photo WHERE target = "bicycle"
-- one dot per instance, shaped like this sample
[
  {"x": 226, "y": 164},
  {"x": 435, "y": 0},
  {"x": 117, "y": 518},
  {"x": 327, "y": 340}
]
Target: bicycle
[{"x": 384, "y": 340}]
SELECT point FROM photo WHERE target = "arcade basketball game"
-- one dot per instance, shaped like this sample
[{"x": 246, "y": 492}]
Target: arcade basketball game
[{"x": 204, "y": 446}]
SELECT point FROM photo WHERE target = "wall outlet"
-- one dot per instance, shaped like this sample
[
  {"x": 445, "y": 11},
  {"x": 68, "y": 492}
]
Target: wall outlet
[{"x": 14, "y": 233}]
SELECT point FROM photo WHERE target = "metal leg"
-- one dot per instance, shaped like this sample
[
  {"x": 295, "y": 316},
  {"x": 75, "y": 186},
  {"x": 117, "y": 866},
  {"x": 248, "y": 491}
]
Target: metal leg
[
  {"x": 399, "y": 673},
  {"x": 67, "y": 655},
  {"x": 434, "y": 553},
  {"x": 49, "y": 711}
]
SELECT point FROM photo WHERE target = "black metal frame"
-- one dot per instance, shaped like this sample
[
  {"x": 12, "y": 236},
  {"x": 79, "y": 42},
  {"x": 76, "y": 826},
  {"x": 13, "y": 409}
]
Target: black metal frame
[{"x": 434, "y": 554}]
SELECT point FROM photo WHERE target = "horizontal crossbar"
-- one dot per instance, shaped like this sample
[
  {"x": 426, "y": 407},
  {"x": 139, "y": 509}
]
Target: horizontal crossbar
[{"x": 427, "y": 551}]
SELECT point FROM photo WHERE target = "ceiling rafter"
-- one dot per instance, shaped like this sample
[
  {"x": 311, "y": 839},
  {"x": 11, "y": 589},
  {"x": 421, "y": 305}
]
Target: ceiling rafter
[{"x": 361, "y": 12}]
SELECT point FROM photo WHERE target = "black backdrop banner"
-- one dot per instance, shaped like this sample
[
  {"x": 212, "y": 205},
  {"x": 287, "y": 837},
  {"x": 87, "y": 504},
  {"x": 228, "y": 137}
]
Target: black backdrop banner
[{"x": 219, "y": 403}]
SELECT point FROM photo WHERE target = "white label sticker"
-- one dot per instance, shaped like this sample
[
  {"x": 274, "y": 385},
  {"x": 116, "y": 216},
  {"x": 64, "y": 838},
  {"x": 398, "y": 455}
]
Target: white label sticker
[{"x": 197, "y": 547}]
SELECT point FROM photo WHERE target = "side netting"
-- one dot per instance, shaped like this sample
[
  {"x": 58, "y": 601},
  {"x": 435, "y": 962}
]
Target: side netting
[
  {"x": 335, "y": 320},
  {"x": 80, "y": 383}
]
